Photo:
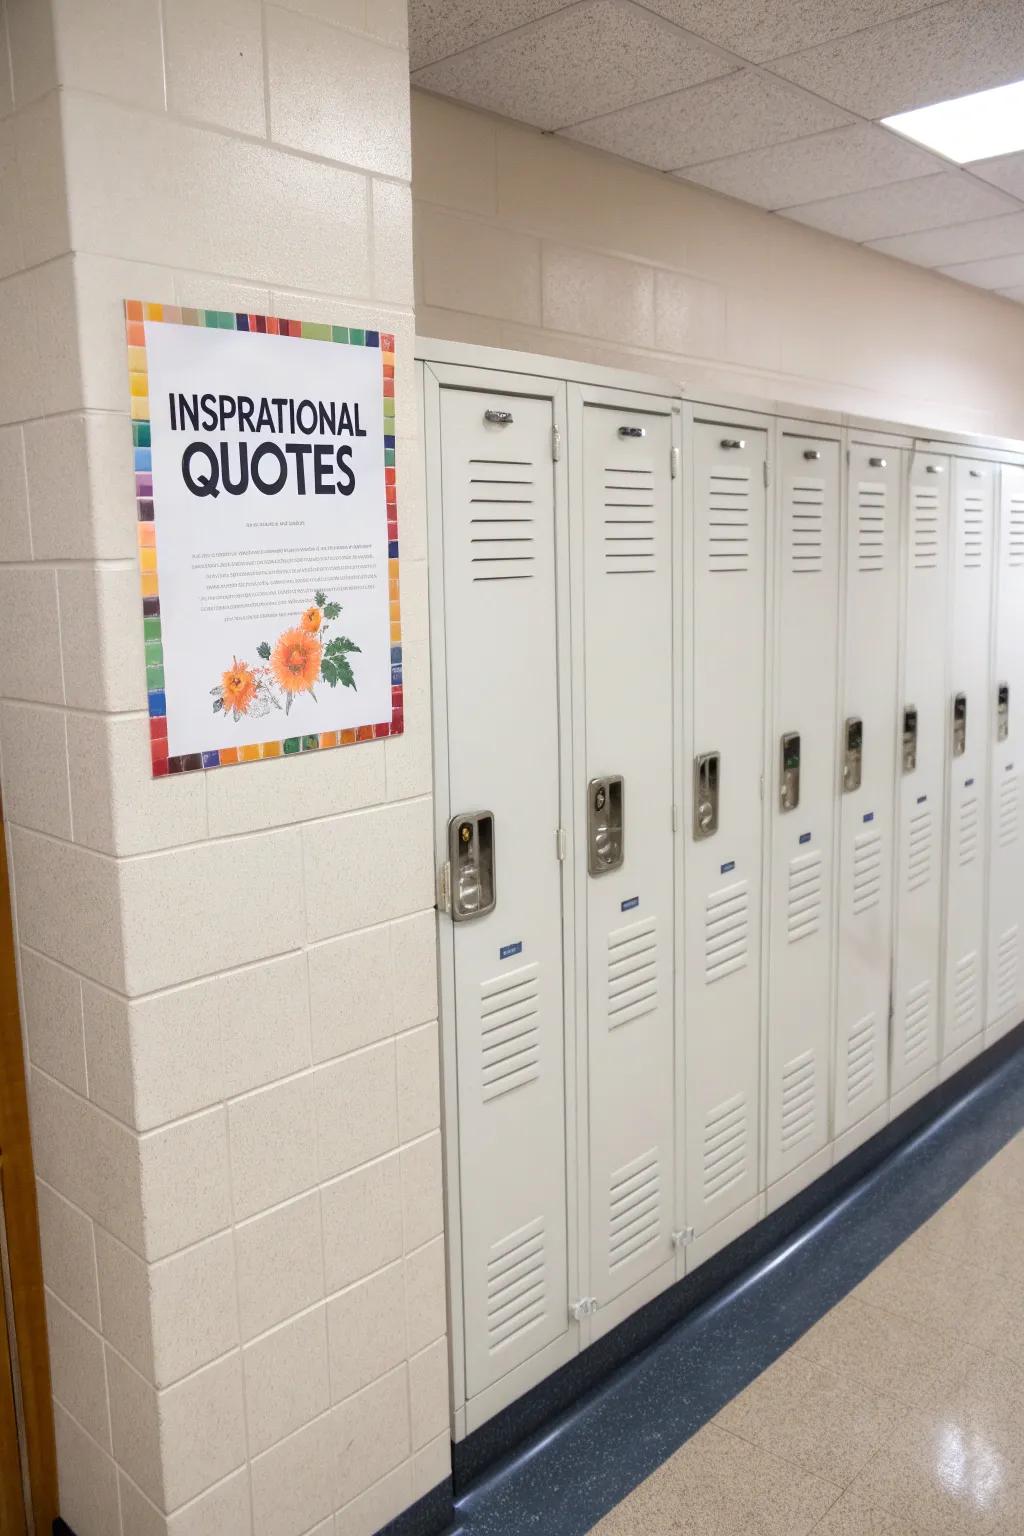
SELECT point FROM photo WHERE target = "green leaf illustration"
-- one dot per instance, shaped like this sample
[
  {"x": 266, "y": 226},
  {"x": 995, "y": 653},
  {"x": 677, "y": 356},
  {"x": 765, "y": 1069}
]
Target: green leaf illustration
[
  {"x": 331, "y": 610},
  {"x": 339, "y": 645},
  {"x": 218, "y": 704},
  {"x": 263, "y": 649},
  {"x": 319, "y": 598}
]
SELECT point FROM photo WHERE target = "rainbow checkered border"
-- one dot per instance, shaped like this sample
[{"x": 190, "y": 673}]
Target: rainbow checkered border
[{"x": 136, "y": 312}]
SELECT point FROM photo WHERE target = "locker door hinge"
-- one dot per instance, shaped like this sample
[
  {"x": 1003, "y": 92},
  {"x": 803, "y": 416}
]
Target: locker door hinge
[
  {"x": 682, "y": 1239},
  {"x": 761, "y": 786},
  {"x": 556, "y": 444},
  {"x": 675, "y": 818},
  {"x": 764, "y": 472},
  {"x": 673, "y": 461},
  {"x": 444, "y": 887},
  {"x": 585, "y": 1307},
  {"x": 561, "y": 842}
]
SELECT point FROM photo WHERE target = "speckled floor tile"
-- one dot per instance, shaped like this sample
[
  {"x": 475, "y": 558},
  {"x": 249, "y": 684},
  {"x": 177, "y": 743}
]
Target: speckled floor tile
[
  {"x": 882, "y": 1352},
  {"x": 852, "y": 1515},
  {"x": 718, "y": 1485},
  {"x": 978, "y": 1227},
  {"x": 806, "y": 1414}
]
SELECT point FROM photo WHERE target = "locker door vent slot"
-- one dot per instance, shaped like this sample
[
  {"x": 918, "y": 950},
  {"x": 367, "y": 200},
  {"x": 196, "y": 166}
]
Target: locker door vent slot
[
  {"x": 860, "y": 1058},
  {"x": 634, "y": 1208},
  {"x": 726, "y": 1146},
  {"x": 806, "y": 501},
  {"x": 1007, "y": 953},
  {"x": 629, "y": 545},
  {"x": 974, "y": 532},
  {"x": 728, "y": 520},
  {"x": 515, "y": 1284},
  {"x": 1009, "y": 811},
  {"x": 871, "y": 509},
  {"x": 919, "y": 851},
  {"x": 965, "y": 994},
  {"x": 968, "y": 844},
  {"x": 1015, "y": 553},
  {"x": 799, "y": 1081},
  {"x": 867, "y": 871},
  {"x": 925, "y": 529},
  {"x": 632, "y": 972},
  {"x": 917, "y": 1020},
  {"x": 510, "y": 1032},
  {"x": 726, "y": 931},
  {"x": 803, "y": 909},
  {"x": 501, "y": 548}
]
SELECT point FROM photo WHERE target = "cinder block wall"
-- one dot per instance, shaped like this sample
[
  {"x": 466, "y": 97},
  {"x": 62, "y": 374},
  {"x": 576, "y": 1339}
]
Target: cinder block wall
[
  {"x": 530, "y": 241},
  {"x": 227, "y": 979}
]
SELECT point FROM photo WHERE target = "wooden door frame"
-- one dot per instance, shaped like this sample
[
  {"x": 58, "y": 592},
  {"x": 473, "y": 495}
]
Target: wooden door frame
[{"x": 22, "y": 1219}]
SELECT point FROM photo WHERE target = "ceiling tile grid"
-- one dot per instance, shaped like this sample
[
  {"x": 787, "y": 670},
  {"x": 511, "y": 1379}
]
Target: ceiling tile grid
[{"x": 774, "y": 102}]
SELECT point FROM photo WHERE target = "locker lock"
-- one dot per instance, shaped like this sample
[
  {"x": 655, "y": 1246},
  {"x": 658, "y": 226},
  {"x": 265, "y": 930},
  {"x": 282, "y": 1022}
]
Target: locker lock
[
  {"x": 471, "y": 865},
  {"x": 733, "y": 442},
  {"x": 705, "y": 795},
  {"x": 500, "y": 418},
  {"x": 605, "y": 846},
  {"x": 632, "y": 431}
]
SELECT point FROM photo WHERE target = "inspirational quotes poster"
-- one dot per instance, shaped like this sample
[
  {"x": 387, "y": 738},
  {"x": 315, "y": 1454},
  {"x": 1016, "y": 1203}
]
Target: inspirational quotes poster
[{"x": 268, "y": 535}]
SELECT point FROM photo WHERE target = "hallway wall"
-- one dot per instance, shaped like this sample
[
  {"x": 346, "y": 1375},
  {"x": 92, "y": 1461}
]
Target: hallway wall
[
  {"x": 530, "y": 241},
  {"x": 227, "y": 978}
]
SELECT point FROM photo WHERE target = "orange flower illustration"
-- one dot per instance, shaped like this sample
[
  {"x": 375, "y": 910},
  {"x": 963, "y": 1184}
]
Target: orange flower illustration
[
  {"x": 295, "y": 661},
  {"x": 310, "y": 620},
  {"x": 239, "y": 685}
]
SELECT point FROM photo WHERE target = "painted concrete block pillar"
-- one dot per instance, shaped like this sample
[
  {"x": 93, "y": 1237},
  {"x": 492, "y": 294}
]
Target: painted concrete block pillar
[{"x": 228, "y": 978}]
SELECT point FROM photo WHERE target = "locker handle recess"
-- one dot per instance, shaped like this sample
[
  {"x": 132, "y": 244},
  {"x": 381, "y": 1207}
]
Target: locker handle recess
[
  {"x": 471, "y": 858},
  {"x": 500, "y": 418},
  {"x": 789, "y": 771},
  {"x": 733, "y": 442},
  {"x": 933, "y": 469},
  {"x": 976, "y": 474},
  {"x": 959, "y": 724},
  {"x": 877, "y": 463},
  {"x": 812, "y": 453},
  {"x": 853, "y": 753},
  {"x": 705, "y": 795},
  {"x": 632, "y": 431},
  {"x": 605, "y": 843},
  {"x": 909, "y": 738},
  {"x": 1002, "y": 711}
]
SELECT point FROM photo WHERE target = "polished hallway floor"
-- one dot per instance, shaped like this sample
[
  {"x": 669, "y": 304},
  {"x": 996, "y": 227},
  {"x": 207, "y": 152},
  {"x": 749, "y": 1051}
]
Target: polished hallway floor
[{"x": 899, "y": 1413}]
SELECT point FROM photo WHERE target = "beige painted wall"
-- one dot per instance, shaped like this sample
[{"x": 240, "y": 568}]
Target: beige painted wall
[
  {"x": 227, "y": 978},
  {"x": 529, "y": 241}
]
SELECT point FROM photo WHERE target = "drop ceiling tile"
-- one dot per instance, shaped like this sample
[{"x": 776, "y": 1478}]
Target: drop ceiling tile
[
  {"x": 594, "y": 57},
  {"x": 946, "y": 50},
  {"x": 440, "y": 27},
  {"x": 904, "y": 207},
  {"x": 775, "y": 27},
  {"x": 996, "y": 272},
  {"x": 1006, "y": 171},
  {"x": 742, "y": 111},
  {"x": 1002, "y": 236},
  {"x": 827, "y": 164}
]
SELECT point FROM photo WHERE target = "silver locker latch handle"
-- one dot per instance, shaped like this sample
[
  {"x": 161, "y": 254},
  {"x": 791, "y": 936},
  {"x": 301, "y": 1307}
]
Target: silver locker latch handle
[
  {"x": 976, "y": 474},
  {"x": 877, "y": 463},
  {"x": 853, "y": 753},
  {"x": 933, "y": 469},
  {"x": 605, "y": 808},
  {"x": 789, "y": 771},
  {"x": 706, "y": 770},
  {"x": 733, "y": 442},
  {"x": 500, "y": 418},
  {"x": 471, "y": 860},
  {"x": 632, "y": 431},
  {"x": 959, "y": 724},
  {"x": 812, "y": 453}
]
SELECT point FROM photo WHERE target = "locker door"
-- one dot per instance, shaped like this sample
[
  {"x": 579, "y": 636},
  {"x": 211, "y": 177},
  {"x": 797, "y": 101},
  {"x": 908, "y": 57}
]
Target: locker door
[
  {"x": 917, "y": 973},
  {"x": 1006, "y": 844},
  {"x": 806, "y": 660},
  {"x": 967, "y": 798},
  {"x": 627, "y": 532},
  {"x": 723, "y": 870},
  {"x": 499, "y": 531},
  {"x": 866, "y": 814}
]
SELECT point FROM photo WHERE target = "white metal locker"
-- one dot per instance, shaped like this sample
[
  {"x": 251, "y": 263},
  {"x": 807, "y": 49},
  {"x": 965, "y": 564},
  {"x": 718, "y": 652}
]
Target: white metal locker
[
  {"x": 1006, "y": 820},
  {"x": 917, "y": 968},
  {"x": 973, "y": 500},
  {"x": 503, "y": 541},
  {"x": 623, "y": 519},
  {"x": 800, "y": 993},
  {"x": 867, "y": 748},
  {"x": 725, "y": 628}
]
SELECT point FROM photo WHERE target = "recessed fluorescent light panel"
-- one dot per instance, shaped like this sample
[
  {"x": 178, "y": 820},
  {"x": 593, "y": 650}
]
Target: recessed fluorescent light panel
[{"x": 968, "y": 128}]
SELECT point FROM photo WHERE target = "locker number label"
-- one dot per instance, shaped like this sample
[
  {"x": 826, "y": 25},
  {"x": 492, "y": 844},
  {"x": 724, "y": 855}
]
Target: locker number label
[
  {"x": 727, "y": 869},
  {"x": 508, "y": 950},
  {"x": 629, "y": 903}
]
